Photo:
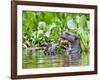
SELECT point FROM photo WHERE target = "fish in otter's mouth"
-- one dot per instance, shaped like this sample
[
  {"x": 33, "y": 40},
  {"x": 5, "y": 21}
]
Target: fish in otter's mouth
[{"x": 71, "y": 42}]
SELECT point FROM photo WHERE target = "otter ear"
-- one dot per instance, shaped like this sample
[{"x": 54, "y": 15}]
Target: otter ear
[
  {"x": 76, "y": 38},
  {"x": 68, "y": 33}
]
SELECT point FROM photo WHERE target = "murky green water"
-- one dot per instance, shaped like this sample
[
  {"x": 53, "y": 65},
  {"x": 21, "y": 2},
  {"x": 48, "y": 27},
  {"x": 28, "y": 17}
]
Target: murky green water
[{"x": 38, "y": 60}]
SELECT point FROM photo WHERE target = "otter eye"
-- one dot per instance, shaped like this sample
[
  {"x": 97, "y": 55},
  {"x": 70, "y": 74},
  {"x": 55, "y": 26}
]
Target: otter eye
[
  {"x": 67, "y": 33},
  {"x": 63, "y": 38}
]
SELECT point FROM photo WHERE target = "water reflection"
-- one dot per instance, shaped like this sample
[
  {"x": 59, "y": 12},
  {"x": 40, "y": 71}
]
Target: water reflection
[{"x": 37, "y": 59}]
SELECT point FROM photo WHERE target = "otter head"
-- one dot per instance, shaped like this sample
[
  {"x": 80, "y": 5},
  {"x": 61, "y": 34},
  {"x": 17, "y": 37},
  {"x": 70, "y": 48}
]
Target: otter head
[{"x": 68, "y": 36}]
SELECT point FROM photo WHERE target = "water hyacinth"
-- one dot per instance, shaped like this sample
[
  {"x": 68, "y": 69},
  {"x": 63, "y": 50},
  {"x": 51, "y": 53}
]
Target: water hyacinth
[
  {"x": 88, "y": 24},
  {"x": 40, "y": 32},
  {"x": 77, "y": 19},
  {"x": 80, "y": 30},
  {"x": 47, "y": 34},
  {"x": 70, "y": 23},
  {"x": 82, "y": 21},
  {"x": 41, "y": 24},
  {"x": 52, "y": 26},
  {"x": 24, "y": 46},
  {"x": 34, "y": 34},
  {"x": 58, "y": 20}
]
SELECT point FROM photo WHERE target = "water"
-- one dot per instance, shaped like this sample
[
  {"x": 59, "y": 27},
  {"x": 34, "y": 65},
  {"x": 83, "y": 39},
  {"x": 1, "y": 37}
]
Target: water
[{"x": 37, "y": 59}]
